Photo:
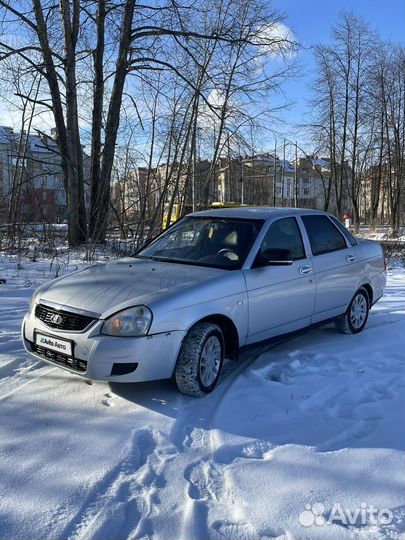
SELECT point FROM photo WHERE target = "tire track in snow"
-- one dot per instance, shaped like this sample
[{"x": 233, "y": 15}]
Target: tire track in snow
[
  {"x": 210, "y": 481},
  {"x": 203, "y": 477},
  {"x": 337, "y": 402},
  {"x": 185, "y": 421},
  {"x": 20, "y": 377},
  {"x": 207, "y": 478},
  {"x": 122, "y": 503},
  {"x": 16, "y": 369}
]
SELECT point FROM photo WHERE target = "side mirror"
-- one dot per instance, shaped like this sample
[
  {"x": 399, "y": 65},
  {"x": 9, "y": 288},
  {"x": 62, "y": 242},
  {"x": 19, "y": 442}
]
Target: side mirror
[{"x": 277, "y": 257}]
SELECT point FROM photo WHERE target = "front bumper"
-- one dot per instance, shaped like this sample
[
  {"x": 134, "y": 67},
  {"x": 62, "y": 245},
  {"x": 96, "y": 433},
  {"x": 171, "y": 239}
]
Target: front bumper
[{"x": 95, "y": 354}]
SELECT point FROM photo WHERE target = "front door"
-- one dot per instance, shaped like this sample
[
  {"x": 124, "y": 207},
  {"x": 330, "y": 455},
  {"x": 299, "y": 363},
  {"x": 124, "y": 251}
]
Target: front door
[{"x": 281, "y": 298}]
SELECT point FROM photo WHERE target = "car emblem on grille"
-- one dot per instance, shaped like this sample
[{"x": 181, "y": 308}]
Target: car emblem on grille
[{"x": 56, "y": 319}]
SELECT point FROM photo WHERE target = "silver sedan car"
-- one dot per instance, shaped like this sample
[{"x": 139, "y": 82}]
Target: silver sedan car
[{"x": 216, "y": 281}]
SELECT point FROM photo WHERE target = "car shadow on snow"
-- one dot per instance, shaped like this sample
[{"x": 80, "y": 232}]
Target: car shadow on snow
[
  {"x": 284, "y": 391},
  {"x": 159, "y": 394}
]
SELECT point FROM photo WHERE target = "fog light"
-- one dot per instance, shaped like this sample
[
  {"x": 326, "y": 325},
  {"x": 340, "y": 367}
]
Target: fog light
[{"x": 123, "y": 369}]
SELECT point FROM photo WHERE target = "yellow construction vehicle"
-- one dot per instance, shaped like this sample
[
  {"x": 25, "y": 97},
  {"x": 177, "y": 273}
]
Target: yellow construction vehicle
[
  {"x": 188, "y": 208},
  {"x": 228, "y": 204}
]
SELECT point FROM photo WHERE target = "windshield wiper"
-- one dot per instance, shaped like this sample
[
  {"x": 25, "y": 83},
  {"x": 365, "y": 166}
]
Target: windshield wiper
[
  {"x": 153, "y": 258},
  {"x": 184, "y": 261},
  {"x": 166, "y": 259}
]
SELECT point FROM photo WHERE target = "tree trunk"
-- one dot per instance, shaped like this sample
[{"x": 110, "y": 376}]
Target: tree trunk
[
  {"x": 97, "y": 115},
  {"x": 100, "y": 205}
]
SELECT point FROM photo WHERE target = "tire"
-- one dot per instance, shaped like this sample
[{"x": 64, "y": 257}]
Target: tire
[
  {"x": 355, "y": 318},
  {"x": 203, "y": 346}
]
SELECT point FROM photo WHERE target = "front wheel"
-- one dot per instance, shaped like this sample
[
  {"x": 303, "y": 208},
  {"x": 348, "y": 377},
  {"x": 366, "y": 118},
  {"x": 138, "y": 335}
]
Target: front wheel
[
  {"x": 355, "y": 318},
  {"x": 200, "y": 360}
]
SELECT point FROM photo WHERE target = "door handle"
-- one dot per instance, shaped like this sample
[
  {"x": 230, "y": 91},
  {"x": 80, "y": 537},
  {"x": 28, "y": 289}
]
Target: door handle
[
  {"x": 351, "y": 258},
  {"x": 305, "y": 269}
]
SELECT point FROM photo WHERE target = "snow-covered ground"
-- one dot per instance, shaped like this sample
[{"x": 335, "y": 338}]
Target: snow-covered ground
[
  {"x": 316, "y": 419},
  {"x": 381, "y": 232}
]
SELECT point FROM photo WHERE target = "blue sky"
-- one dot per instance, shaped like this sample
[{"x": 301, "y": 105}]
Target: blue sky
[{"x": 311, "y": 22}]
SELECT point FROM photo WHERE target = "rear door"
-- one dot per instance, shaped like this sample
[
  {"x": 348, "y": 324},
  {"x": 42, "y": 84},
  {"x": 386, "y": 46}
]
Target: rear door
[
  {"x": 336, "y": 262},
  {"x": 281, "y": 298}
]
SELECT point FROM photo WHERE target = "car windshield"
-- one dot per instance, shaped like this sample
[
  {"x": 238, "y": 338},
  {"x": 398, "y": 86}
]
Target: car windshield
[{"x": 204, "y": 241}]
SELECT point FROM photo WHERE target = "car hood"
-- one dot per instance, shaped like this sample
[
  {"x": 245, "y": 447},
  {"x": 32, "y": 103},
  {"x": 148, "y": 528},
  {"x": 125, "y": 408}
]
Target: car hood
[{"x": 103, "y": 287}]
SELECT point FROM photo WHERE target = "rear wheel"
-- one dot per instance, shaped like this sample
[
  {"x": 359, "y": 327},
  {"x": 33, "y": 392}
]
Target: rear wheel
[
  {"x": 355, "y": 318},
  {"x": 200, "y": 360}
]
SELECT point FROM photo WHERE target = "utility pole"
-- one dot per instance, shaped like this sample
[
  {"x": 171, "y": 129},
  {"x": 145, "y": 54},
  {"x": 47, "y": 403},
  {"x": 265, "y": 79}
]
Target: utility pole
[
  {"x": 274, "y": 173},
  {"x": 197, "y": 193},
  {"x": 296, "y": 177},
  {"x": 228, "y": 197},
  {"x": 241, "y": 181},
  {"x": 193, "y": 151},
  {"x": 282, "y": 176}
]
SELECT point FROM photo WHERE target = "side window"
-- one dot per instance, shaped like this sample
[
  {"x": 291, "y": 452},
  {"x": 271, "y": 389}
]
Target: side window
[
  {"x": 323, "y": 235},
  {"x": 284, "y": 234},
  {"x": 344, "y": 231}
]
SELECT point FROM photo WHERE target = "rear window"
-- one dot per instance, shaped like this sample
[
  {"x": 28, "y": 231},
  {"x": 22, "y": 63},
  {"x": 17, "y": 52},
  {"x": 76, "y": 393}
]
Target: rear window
[{"x": 323, "y": 235}]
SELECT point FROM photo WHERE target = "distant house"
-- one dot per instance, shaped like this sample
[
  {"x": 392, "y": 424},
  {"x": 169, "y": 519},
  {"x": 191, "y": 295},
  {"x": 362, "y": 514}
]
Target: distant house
[
  {"x": 260, "y": 179},
  {"x": 265, "y": 179},
  {"x": 317, "y": 183},
  {"x": 31, "y": 179},
  {"x": 140, "y": 192}
]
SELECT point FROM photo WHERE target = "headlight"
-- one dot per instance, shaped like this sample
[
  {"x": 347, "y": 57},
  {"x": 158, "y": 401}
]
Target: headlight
[{"x": 129, "y": 322}]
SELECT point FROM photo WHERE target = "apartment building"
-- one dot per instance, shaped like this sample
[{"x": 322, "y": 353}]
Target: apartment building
[
  {"x": 143, "y": 191},
  {"x": 31, "y": 179},
  {"x": 266, "y": 179}
]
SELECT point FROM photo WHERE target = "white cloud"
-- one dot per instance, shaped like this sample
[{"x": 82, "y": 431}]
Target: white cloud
[
  {"x": 275, "y": 40},
  {"x": 216, "y": 98},
  {"x": 11, "y": 116}
]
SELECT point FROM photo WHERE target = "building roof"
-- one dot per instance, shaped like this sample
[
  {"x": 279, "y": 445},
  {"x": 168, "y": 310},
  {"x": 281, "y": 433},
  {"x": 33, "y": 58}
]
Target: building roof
[
  {"x": 6, "y": 135},
  {"x": 256, "y": 212},
  {"x": 36, "y": 143},
  {"x": 321, "y": 163}
]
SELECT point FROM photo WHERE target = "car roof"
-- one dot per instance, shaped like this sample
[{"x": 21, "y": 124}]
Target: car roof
[{"x": 256, "y": 212}]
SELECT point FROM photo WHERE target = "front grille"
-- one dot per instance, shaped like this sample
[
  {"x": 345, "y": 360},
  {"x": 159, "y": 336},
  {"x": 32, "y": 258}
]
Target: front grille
[
  {"x": 64, "y": 320},
  {"x": 60, "y": 359}
]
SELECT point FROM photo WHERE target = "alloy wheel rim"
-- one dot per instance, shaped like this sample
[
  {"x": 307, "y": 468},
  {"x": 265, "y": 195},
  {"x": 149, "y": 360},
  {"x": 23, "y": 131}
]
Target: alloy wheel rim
[
  {"x": 210, "y": 361},
  {"x": 358, "y": 311}
]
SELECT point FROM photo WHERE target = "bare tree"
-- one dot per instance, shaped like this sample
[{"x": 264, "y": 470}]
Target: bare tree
[
  {"x": 85, "y": 50},
  {"x": 358, "y": 118}
]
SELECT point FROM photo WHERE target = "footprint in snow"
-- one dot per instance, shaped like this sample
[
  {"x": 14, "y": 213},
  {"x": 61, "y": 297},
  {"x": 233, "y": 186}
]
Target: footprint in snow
[
  {"x": 205, "y": 482},
  {"x": 241, "y": 530},
  {"x": 256, "y": 449},
  {"x": 195, "y": 437},
  {"x": 108, "y": 401}
]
